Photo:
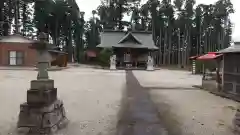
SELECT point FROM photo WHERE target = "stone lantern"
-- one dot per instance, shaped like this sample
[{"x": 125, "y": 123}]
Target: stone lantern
[{"x": 43, "y": 113}]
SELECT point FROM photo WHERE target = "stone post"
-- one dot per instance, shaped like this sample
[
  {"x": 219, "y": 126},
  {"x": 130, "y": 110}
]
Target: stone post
[
  {"x": 236, "y": 120},
  {"x": 150, "y": 64},
  {"x": 113, "y": 62},
  {"x": 43, "y": 113}
]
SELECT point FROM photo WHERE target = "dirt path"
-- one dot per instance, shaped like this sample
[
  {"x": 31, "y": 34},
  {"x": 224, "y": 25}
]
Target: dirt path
[
  {"x": 186, "y": 110},
  {"x": 138, "y": 114}
]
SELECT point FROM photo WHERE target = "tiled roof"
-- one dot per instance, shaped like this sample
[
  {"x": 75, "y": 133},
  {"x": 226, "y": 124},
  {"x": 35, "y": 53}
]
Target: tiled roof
[
  {"x": 235, "y": 48},
  {"x": 111, "y": 39},
  {"x": 209, "y": 56},
  {"x": 15, "y": 38}
]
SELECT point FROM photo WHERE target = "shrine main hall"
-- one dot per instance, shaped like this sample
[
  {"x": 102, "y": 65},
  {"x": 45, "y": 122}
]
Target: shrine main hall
[{"x": 131, "y": 48}]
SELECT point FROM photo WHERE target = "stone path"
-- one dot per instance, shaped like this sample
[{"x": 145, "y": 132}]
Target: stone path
[{"x": 138, "y": 115}]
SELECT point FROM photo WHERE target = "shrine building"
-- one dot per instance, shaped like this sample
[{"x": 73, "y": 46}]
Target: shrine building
[{"x": 131, "y": 48}]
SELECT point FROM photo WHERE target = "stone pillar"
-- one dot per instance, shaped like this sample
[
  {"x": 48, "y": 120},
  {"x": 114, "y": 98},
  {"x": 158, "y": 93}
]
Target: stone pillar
[
  {"x": 113, "y": 62},
  {"x": 150, "y": 64},
  {"x": 43, "y": 113}
]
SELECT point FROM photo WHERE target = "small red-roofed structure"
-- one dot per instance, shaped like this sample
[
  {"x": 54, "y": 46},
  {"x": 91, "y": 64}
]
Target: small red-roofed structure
[
  {"x": 212, "y": 75},
  {"x": 209, "y": 56}
]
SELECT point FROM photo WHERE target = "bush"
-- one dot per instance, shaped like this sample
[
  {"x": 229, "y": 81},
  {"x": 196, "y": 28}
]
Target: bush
[{"x": 104, "y": 57}]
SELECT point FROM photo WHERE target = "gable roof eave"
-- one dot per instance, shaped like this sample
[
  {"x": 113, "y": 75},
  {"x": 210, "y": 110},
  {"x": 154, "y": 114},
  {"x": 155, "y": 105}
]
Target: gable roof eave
[
  {"x": 126, "y": 36},
  {"x": 103, "y": 46},
  {"x": 7, "y": 39}
]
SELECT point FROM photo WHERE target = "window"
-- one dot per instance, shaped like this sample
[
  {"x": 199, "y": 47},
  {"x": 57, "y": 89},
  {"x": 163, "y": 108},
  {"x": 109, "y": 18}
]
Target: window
[{"x": 15, "y": 58}]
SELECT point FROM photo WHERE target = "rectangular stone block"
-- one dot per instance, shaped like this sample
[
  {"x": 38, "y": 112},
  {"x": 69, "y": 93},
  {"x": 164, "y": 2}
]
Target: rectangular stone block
[
  {"x": 37, "y": 131},
  {"x": 63, "y": 123},
  {"x": 237, "y": 122},
  {"x": 46, "y": 108},
  {"x": 24, "y": 107},
  {"x": 237, "y": 115},
  {"x": 50, "y": 108},
  {"x": 35, "y": 97},
  {"x": 27, "y": 119},
  {"x": 42, "y": 84}
]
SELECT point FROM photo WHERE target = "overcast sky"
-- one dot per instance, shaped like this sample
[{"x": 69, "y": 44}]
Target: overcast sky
[{"x": 88, "y": 5}]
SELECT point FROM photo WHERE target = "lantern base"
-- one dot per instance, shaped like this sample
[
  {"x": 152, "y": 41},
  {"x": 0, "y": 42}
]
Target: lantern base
[
  {"x": 42, "y": 120},
  {"x": 150, "y": 68},
  {"x": 236, "y": 121}
]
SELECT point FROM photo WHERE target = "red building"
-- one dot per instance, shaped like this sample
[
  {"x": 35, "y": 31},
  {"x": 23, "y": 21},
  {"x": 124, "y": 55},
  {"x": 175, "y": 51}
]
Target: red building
[{"x": 15, "y": 51}]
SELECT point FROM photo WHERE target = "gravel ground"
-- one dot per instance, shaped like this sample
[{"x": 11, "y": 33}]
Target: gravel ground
[
  {"x": 186, "y": 110},
  {"x": 91, "y": 98},
  {"x": 94, "y": 101}
]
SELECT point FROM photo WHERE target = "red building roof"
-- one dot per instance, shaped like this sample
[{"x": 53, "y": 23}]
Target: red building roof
[
  {"x": 193, "y": 57},
  {"x": 209, "y": 56}
]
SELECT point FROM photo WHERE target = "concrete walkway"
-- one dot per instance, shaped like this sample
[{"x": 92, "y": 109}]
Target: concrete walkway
[{"x": 139, "y": 116}]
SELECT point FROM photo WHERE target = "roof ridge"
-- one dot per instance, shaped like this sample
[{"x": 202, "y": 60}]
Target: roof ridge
[
  {"x": 18, "y": 35},
  {"x": 8, "y": 38}
]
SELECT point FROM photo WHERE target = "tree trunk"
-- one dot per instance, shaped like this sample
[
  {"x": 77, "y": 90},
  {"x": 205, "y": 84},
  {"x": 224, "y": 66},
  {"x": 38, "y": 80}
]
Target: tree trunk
[
  {"x": 160, "y": 47},
  {"x": 189, "y": 47},
  {"x": 169, "y": 45},
  {"x": 205, "y": 41},
  {"x": 120, "y": 17},
  {"x": 24, "y": 18},
  {"x": 55, "y": 40},
  {"x": 179, "y": 47},
  {"x": 184, "y": 46},
  {"x": 164, "y": 47},
  {"x": 1, "y": 18},
  {"x": 16, "y": 12},
  {"x": 200, "y": 41},
  {"x": 69, "y": 43},
  {"x": 219, "y": 40}
]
